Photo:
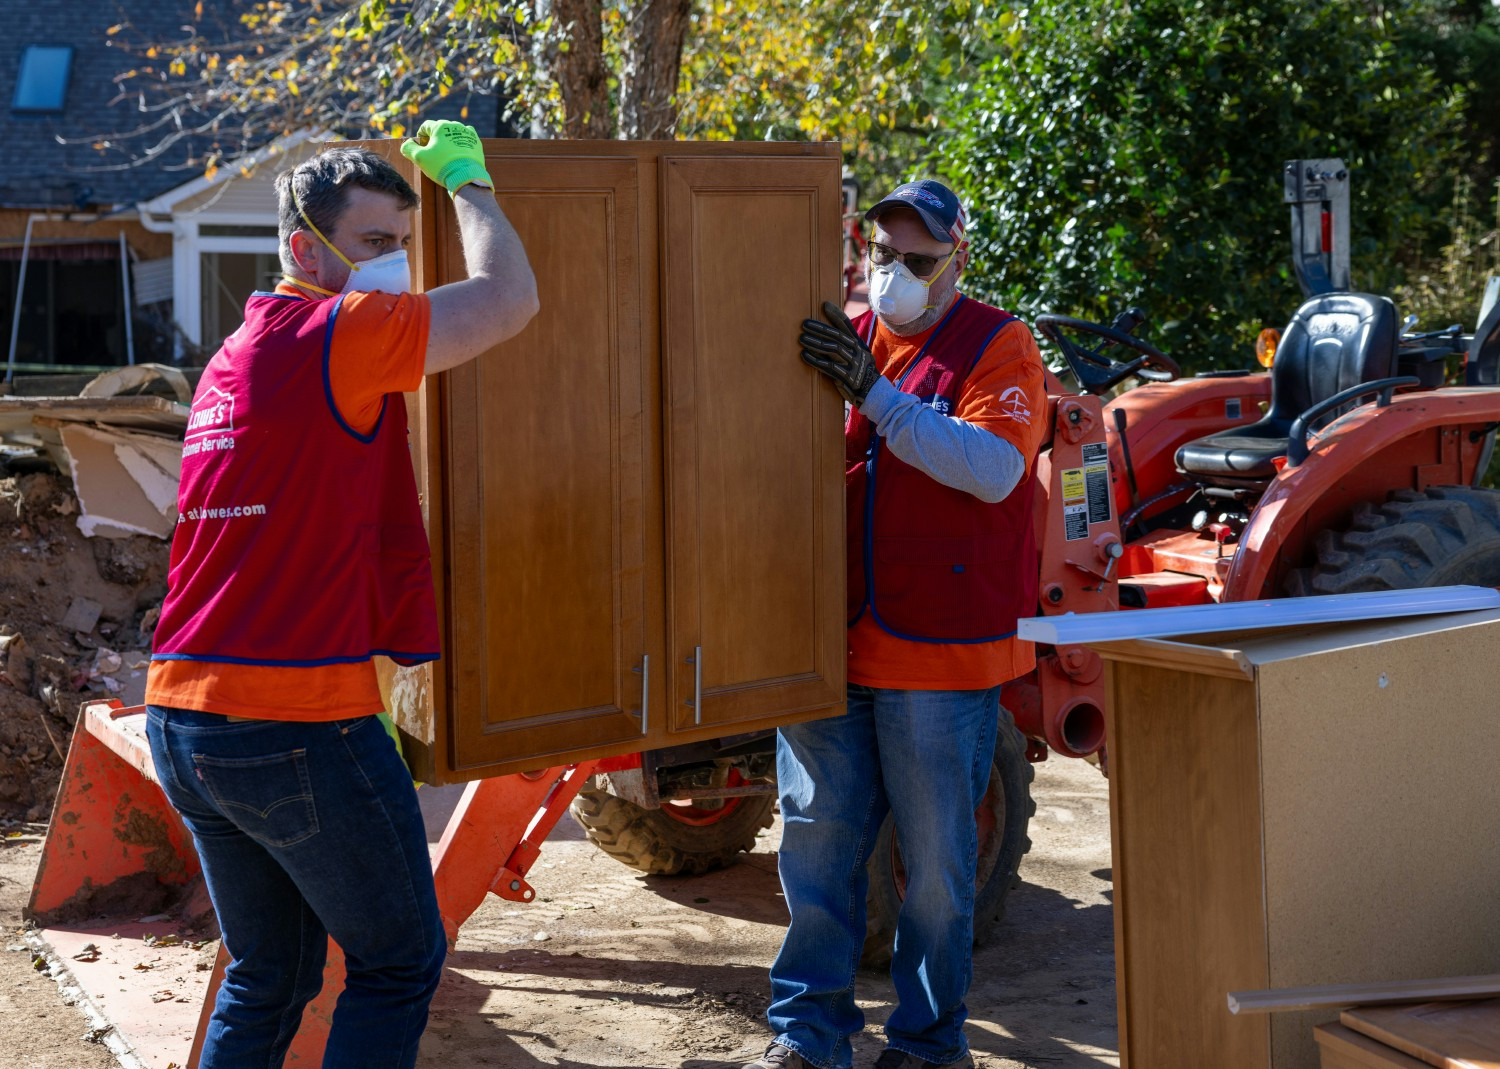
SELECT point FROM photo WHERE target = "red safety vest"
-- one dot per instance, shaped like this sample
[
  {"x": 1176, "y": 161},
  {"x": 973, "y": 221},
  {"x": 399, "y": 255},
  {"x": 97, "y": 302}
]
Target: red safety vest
[
  {"x": 928, "y": 562},
  {"x": 300, "y": 541}
]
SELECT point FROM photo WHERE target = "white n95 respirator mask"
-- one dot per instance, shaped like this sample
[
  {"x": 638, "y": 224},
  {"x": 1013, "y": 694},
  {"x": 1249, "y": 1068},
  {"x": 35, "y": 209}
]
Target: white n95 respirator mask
[
  {"x": 897, "y": 295},
  {"x": 389, "y": 273}
]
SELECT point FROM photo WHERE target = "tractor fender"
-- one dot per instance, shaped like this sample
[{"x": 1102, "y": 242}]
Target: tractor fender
[
  {"x": 1433, "y": 438},
  {"x": 1160, "y": 417}
]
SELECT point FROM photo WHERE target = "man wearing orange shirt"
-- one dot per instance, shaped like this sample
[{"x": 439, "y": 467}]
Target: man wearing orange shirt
[
  {"x": 299, "y": 555},
  {"x": 948, "y": 403}
]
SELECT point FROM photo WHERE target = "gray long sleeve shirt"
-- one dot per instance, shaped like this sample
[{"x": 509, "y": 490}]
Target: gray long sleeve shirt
[{"x": 954, "y": 452}]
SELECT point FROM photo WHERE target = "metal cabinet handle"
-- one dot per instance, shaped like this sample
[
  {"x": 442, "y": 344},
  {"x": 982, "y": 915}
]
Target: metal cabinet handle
[
  {"x": 696, "y": 660},
  {"x": 645, "y": 673}
]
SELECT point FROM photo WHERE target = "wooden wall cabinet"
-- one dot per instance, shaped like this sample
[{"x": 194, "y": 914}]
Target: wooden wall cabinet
[
  {"x": 636, "y": 505},
  {"x": 1311, "y": 807}
]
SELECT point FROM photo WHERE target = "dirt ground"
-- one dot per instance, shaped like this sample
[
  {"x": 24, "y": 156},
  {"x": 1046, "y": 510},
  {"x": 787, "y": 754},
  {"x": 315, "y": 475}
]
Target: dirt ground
[
  {"x": 610, "y": 967},
  {"x": 75, "y": 622}
]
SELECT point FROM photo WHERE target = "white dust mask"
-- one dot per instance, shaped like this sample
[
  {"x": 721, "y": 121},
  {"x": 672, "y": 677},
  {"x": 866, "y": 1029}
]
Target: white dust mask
[
  {"x": 897, "y": 295},
  {"x": 389, "y": 273}
]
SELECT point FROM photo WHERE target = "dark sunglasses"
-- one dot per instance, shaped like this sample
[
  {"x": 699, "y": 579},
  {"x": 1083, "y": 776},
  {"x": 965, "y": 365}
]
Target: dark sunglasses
[{"x": 917, "y": 263}]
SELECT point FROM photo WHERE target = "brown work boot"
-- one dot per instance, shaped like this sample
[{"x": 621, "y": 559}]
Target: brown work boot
[
  {"x": 899, "y": 1059},
  {"x": 779, "y": 1057}
]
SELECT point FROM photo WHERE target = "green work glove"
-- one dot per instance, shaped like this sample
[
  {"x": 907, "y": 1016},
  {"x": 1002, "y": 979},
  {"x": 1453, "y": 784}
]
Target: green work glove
[
  {"x": 390, "y": 729},
  {"x": 449, "y": 153}
]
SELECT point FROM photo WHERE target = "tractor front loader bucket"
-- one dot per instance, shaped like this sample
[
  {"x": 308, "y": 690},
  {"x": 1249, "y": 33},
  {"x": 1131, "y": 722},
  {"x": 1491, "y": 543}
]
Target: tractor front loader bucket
[
  {"x": 116, "y": 862},
  {"x": 112, "y": 828}
]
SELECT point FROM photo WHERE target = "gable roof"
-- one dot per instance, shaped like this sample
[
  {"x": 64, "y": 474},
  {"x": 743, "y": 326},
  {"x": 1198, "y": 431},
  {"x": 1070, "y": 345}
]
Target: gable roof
[
  {"x": 208, "y": 191},
  {"x": 37, "y": 172}
]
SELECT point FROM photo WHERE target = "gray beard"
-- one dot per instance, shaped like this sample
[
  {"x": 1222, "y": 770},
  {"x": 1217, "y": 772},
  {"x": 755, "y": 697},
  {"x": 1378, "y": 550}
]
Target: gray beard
[{"x": 923, "y": 321}]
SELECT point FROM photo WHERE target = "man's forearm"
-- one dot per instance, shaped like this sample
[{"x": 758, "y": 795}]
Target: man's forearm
[
  {"x": 954, "y": 452},
  {"x": 493, "y": 252},
  {"x": 498, "y": 298}
]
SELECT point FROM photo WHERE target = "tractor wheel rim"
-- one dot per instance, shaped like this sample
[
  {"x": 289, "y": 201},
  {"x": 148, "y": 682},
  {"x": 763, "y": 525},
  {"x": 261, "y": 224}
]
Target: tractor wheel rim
[{"x": 698, "y": 816}]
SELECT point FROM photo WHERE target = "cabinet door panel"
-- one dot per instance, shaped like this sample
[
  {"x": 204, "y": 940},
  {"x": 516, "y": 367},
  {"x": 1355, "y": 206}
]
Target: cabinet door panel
[
  {"x": 754, "y": 453},
  {"x": 546, "y": 455}
]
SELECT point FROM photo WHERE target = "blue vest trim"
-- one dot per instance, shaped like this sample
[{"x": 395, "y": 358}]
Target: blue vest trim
[
  {"x": 328, "y": 381},
  {"x": 407, "y": 658}
]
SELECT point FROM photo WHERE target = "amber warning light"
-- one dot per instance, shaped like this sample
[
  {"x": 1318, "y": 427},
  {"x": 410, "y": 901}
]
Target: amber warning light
[{"x": 1265, "y": 346}]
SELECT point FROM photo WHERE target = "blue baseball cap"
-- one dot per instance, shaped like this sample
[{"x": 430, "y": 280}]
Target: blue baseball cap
[{"x": 934, "y": 202}]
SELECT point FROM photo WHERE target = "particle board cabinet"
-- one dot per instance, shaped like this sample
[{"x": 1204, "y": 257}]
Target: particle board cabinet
[
  {"x": 636, "y": 505},
  {"x": 1311, "y": 807}
]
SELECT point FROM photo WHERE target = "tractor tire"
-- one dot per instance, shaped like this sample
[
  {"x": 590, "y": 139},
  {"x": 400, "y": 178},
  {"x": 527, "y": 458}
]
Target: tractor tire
[
  {"x": 1433, "y": 537},
  {"x": 672, "y": 840},
  {"x": 1004, "y": 817}
]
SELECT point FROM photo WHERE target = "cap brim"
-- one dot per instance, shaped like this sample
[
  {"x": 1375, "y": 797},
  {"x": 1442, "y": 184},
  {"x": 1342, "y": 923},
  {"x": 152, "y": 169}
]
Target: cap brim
[{"x": 934, "y": 225}]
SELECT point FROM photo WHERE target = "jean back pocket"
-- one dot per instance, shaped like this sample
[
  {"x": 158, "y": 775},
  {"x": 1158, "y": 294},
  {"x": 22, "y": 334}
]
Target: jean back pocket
[{"x": 267, "y": 797}]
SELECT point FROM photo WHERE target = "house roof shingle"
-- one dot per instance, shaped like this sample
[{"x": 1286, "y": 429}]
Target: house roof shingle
[{"x": 39, "y": 172}]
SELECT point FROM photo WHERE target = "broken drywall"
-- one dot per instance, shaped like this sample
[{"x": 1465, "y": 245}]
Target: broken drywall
[{"x": 126, "y": 481}]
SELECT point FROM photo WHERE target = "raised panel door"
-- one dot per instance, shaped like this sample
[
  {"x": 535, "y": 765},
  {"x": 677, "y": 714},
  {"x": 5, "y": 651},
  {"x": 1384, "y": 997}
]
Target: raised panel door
[
  {"x": 754, "y": 440},
  {"x": 546, "y": 443}
]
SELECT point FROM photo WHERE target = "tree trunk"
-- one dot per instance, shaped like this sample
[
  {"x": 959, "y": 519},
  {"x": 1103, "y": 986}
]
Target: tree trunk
[
  {"x": 653, "y": 59},
  {"x": 579, "y": 68}
]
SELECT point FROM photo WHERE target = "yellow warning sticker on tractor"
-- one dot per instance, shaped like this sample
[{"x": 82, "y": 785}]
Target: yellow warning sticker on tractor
[{"x": 1073, "y": 485}]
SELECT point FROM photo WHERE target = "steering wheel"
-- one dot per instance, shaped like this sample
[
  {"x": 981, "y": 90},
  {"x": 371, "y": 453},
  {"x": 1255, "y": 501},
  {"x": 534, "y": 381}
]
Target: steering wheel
[{"x": 1096, "y": 371}]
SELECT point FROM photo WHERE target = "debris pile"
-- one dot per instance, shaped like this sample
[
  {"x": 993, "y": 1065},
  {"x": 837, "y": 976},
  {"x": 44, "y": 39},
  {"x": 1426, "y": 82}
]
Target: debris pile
[{"x": 76, "y": 615}]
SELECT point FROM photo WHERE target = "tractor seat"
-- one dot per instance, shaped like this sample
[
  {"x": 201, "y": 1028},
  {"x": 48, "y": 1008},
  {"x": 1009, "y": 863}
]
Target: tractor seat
[{"x": 1335, "y": 341}]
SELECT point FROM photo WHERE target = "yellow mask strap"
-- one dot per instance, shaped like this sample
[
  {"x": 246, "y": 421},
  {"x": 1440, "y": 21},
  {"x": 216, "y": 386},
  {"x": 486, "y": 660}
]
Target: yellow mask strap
[
  {"x": 325, "y": 241},
  {"x": 927, "y": 284},
  {"x": 308, "y": 286}
]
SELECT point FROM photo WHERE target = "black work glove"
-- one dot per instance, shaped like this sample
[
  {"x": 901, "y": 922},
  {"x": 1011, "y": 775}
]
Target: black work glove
[{"x": 836, "y": 349}]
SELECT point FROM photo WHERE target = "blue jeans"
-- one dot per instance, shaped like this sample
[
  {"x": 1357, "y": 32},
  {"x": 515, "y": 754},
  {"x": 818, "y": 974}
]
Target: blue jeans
[
  {"x": 305, "y": 831},
  {"x": 923, "y": 756}
]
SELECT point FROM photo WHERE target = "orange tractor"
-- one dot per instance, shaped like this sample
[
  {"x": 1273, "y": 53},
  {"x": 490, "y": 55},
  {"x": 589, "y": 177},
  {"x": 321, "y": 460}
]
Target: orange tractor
[{"x": 1351, "y": 465}]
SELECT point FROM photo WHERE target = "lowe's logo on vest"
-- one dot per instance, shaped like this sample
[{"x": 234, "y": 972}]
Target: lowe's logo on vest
[
  {"x": 940, "y": 404},
  {"x": 213, "y": 413}
]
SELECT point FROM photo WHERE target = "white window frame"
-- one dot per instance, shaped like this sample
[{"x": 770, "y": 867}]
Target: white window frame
[
  {"x": 188, "y": 246},
  {"x": 189, "y": 243}
]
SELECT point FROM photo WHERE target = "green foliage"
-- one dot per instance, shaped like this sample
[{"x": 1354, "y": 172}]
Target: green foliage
[
  {"x": 1463, "y": 38},
  {"x": 1448, "y": 275},
  {"x": 354, "y": 68},
  {"x": 869, "y": 73},
  {"x": 866, "y": 72},
  {"x": 1130, "y": 153},
  {"x": 1446, "y": 287}
]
